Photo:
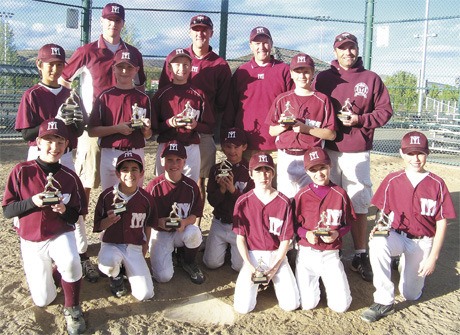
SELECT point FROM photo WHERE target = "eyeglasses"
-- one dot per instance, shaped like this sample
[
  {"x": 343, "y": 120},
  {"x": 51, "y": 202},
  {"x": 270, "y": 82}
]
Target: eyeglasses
[{"x": 343, "y": 37}]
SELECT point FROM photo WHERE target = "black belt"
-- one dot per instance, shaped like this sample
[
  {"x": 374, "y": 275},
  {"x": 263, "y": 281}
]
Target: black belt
[
  {"x": 294, "y": 152},
  {"x": 410, "y": 236},
  {"x": 224, "y": 221}
]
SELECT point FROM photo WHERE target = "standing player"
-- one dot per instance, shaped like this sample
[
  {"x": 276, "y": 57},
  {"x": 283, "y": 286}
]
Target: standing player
[
  {"x": 299, "y": 119},
  {"x": 417, "y": 204},
  {"x": 254, "y": 86},
  {"x": 46, "y": 231},
  {"x": 223, "y": 191},
  {"x": 178, "y": 196},
  {"x": 363, "y": 95},
  {"x": 322, "y": 205},
  {"x": 263, "y": 222},
  {"x": 126, "y": 234},
  {"x": 113, "y": 115}
]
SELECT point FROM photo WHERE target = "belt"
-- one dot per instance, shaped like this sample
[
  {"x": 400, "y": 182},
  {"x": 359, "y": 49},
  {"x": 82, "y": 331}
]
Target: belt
[
  {"x": 410, "y": 236},
  {"x": 294, "y": 152},
  {"x": 224, "y": 221},
  {"x": 124, "y": 148}
]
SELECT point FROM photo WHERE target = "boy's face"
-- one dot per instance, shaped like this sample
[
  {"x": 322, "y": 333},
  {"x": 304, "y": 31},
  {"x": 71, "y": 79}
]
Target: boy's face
[
  {"x": 415, "y": 161},
  {"x": 173, "y": 164},
  {"x": 319, "y": 174},
  {"x": 180, "y": 68},
  {"x": 303, "y": 77},
  {"x": 233, "y": 152},
  {"x": 261, "y": 48},
  {"x": 200, "y": 36},
  {"x": 130, "y": 174},
  {"x": 125, "y": 72},
  {"x": 51, "y": 148},
  {"x": 50, "y": 72},
  {"x": 262, "y": 176},
  {"x": 112, "y": 28}
]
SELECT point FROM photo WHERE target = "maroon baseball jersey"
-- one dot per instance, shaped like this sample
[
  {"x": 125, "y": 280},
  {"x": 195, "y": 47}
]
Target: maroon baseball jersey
[
  {"x": 94, "y": 62},
  {"x": 115, "y": 106},
  {"x": 253, "y": 89},
  {"x": 185, "y": 193},
  {"x": 416, "y": 209},
  {"x": 28, "y": 179},
  {"x": 40, "y": 103},
  {"x": 263, "y": 226},
  {"x": 315, "y": 110},
  {"x": 140, "y": 212},
  {"x": 335, "y": 205},
  {"x": 369, "y": 99},
  {"x": 224, "y": 203},
  {"x": 171, "y": 101},
  {"x": 211, "y": 74}
]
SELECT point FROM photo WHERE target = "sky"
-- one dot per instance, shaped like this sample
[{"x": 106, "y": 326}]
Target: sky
[{"x": 35, "y": 23}]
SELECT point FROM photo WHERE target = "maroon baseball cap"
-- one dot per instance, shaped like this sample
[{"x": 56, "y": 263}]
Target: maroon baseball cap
[
  {"x": 129, "y": 156},
  {"x": 315, "y": 156},
  {"x": 113, "y": 11},
  {"x": 201, "y": 20},
  {"x": 302, "y": 60},
  {"x": 51, "y": 53},
  {"x": 178, "y": 53},
  {"x": 345, "y": 38},
  {"x": 174, "y": 148},
  {"x": 125, "y": 56},
  {"x": 261, "y": 159},
  {"x": 235, "y": 136},
  {"x": 414, "y": 141},
  {"x": 53, "y": 126},
  {"x": 259, "y": 31}
]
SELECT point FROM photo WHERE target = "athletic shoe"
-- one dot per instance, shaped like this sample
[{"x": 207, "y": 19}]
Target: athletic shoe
[
  {"x": 376, "y": 312},
  {"x": 117, "y": 286},
  {"x": 361, "y": 264},
  {"x": 74, "y": 319},
  {"x": 196, "y": 276},
  {"x": 90, "y": 271}
]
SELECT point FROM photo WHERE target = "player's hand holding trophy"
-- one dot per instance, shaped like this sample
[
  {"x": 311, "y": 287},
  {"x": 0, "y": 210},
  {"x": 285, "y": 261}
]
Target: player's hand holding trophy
[
  {"x": 136, "y": 121},
  {"x": 286, "y": 117},
  {"x": 118, "y": 204},
  {"x": 322, "y": 227},
  {"x": 51, "y": 194},
  {"x": 259, "y": 276}
]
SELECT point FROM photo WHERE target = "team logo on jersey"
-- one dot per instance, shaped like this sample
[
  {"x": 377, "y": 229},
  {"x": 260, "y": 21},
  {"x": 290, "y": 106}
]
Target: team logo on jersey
[
  {"x": 428, "y": 207},
  {"x": 415, "y": 140},
  {"x": 361, "y": 89},
  {"x": 55, "y": 51},
  {"x": 275, "y": 225},
  {"x": 195, "y": 69},
  {"x": 240, "y": 185},
  {"x": 116, "y": 9},
  {"x": 260, "y": 76},
  {"x": 52, "y": 125},
  {"x": 183, "y": 209},
  {"x": 137, "y": 220},
  {"x": 334, "y": 216},
  {"x": 312, "y": 123}
]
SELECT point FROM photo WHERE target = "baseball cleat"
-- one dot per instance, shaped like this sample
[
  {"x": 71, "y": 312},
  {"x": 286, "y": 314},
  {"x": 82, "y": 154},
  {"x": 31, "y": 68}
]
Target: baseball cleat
[
  {"x": 117, "y": 286},
  {"x": 376, "y": 312},
  {"x": 196, "y": 276},
  {"x": 361, "y": 264},
  {"x": 74, "y": 319},
  {"x": 90, "y": 271}
]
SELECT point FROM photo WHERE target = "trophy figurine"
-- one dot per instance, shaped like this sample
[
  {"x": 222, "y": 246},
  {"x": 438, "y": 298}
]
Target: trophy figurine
[
  {"x": 383, "y": 224},
  {"x": 51, "y": 194},
  {"x": 322, "y": 228},
  {"x": 136, "y": 122},
  {"x": 186, "y": 116},
  {"x": 286, "y": 117},
  {"x": 346, "y": 111},
  {"x": 259, "y": 276},
  {"x": 69, "y": 109},
  {"x": 173, "y": 221},
  {"x": 119, "y": 205},
  {"x": 224, "y": 169}
]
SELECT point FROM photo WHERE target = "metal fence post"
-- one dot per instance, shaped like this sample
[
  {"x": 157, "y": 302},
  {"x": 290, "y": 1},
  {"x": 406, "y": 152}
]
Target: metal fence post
[
  {"x": 223, "y": 29},
  {"x": 86, "y": 22},
  {"x": 368, "y": 34}
]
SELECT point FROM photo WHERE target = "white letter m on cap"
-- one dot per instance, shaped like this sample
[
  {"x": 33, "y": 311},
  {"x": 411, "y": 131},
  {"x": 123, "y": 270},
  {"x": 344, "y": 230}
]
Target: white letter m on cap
[
  {"x": 314, "y": 155},
  {"x": 115, "y": 9},
  {"x": 415, "y": 140}
]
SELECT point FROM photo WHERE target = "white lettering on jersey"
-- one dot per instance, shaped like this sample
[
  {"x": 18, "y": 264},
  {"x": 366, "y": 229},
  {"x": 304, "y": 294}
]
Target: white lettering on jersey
[
  {"x": 428, "y": 207},
  {"x": 240, "y": 185},
  {"x": 195, "y": 69},
  {"x": 361, "y": 89},
  {"x": 65, "y": 198},
  {"x": 260, "y": 76},
  {"x": 137, "y": 220},
  {"x": 275, "y": 225},
  {"x": 195, "y": 113},
  {"x": 183, "y": 209},
  {"x": 312, "y": 123},
  {"x": 334, "y": 216}
]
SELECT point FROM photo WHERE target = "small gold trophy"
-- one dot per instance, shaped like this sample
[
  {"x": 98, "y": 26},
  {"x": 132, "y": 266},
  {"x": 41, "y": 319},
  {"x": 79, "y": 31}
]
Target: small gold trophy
[
  {"x": 259, "y": 276},
  {"x": 286, "y": 117},
  {"x": 224, "y": 169},
  {"x": 186, "y": 116},
  {"x": 70, "y": 110},
  {"x": 119, "y": 205},
  {"x": 136, "y": 122},
  {"x": 383, "y": 224},
  {"x": 346, "y": 111},
  {"x": 322, "y": 228},
  {"x": 173, "y": 221},
  {"x": 51, "y": 194}
]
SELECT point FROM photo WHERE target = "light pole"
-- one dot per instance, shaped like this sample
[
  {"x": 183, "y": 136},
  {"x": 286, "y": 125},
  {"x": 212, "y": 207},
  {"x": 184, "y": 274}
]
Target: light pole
[
  {"x": 321, "y": 18},
  {"x": 4, "y": 16}
]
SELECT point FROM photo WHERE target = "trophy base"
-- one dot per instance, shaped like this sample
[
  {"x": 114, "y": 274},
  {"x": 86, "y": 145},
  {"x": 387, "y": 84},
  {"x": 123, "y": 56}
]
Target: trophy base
[
  {"x": 220, "y": 175},
  {"x": 287, "y": 122},
  {"x": 137, "y": 125},
  {"x": 382, "y": 233},
  {"x": 47, "y": 200},
  {"x": 172, "y": 224},
  {"x": 344, "y": 117},
  {"x": 322, "y": 233},
  {"x": 119, "y": 210},
  {"x": 260, "y": 280}
]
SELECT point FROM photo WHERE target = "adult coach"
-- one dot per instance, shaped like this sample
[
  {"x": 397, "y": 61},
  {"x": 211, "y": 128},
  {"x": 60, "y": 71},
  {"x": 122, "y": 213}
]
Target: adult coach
[
  {"x": 211, "y": 74},
  {"x": 94, "y": 62},
  {"x": 362, "y": 93},
  {"x": 254, "y": 86}
]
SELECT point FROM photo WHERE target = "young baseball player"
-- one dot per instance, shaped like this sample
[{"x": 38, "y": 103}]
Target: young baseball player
[
  {"x": 115, "y": 116},
  {"x": 226, "y": 183},
  {"x": 183, "y": 112},
  {"x": 263, "y": 222},
  {"x": 46, "y": 231},
  {"x": 300, "y": 119},
  {"x": 125, "y": 213},
  {"x": 417, "y": 205},
  {"x": 324, "y": 214},
  {"x": 176, "y": 197},
  {"x": 46, "y": 100}
]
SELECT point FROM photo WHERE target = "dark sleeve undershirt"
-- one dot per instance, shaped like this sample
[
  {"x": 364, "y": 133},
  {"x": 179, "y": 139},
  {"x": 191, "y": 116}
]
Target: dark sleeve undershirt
[{"x": 30, "y": 134}]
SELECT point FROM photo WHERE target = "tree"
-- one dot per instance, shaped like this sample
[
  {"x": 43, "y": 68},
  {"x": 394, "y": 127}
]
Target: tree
[
  {"x": 8, "y": 52},
  {"x": 129, "y": 35},
  {"x": 402, "y": 87}
]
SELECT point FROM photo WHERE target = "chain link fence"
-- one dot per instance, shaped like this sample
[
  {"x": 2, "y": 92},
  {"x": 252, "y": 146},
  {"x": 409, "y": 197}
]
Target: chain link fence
[{"x": 404, "y": 44}]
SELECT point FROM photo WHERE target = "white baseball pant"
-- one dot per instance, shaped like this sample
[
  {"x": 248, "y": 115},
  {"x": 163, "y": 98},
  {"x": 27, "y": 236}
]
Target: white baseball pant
[{"x": 290, "y": 174}]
